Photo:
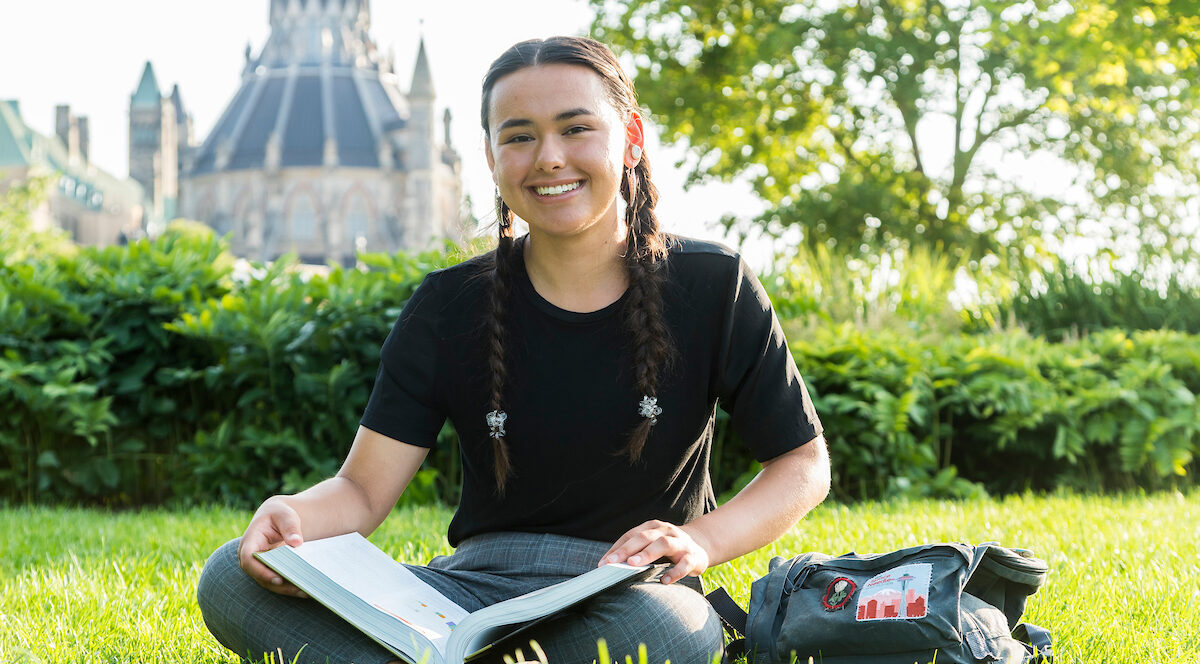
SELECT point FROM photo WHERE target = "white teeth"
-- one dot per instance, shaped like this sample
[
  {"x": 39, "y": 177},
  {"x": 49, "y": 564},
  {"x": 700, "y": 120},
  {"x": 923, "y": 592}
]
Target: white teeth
[{"x": 556, "y": 190}]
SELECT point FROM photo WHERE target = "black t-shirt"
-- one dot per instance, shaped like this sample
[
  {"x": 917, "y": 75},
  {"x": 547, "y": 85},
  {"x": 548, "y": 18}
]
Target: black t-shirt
[{"x": 571, "y": 398}]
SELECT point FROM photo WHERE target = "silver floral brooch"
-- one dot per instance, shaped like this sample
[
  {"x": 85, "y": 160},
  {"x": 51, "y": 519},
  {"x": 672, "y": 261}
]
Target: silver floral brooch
[
  {"x": 650, "y": 409},
  {"x": 495, "y": 422}
]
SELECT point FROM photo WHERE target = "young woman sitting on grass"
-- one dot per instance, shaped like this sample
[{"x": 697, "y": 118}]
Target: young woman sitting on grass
[{"x": 580, "y": 365}]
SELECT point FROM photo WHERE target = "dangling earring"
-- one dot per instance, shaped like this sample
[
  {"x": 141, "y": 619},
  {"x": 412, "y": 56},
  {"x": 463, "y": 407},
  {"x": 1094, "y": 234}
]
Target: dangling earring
[
  {"x": 501, "y": 217},
  {"x": 636, "y": 151},
  {"x": 631, "y": 200}
]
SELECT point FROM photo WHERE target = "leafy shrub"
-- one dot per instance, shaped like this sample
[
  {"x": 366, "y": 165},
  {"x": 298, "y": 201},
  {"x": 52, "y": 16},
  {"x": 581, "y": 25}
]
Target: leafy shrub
[
  {"x": 817, "y": 287},
  {"x": 1004, "y": 412},
  {"x": 1067, "y": 300},
  {"x": 95, "y": 401},
  {"x": 152, "y": 373},
  {"x": 291, "y": 362},
  {"x": 146, "y": 373}
]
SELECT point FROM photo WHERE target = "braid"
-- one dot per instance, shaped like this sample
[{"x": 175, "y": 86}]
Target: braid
[
  {"x": 645, "y": 252},
  {"x": 501, "y": 281}
]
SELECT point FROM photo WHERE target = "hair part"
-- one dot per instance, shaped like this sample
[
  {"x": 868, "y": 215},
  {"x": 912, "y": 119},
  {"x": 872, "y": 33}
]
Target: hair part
[
  {"x": 582, "y": 51},
  {"x": 645, "y": 245}
]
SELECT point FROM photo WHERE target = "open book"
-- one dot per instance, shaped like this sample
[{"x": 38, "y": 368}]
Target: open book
[{"x": 388, "y": 603}]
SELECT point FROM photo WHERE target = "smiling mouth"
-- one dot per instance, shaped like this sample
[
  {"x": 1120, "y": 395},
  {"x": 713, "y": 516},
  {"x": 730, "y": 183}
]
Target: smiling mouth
[{"x": 558, "y": 190}]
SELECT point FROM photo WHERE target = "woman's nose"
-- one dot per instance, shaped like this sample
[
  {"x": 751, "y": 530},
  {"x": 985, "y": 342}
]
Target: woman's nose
[{"x": 550, "y": 155}]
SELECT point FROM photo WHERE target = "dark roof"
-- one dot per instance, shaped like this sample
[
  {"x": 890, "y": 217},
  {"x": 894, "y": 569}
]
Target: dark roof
[
  {"x": 16, "y": 141},
  {"x": 177, "y": 100},
  {"x": 422, "y": 82},
  {"x": 147, "y": 93},
  {"x": 293, "y": 103},
  {"x": 319, "y": 83}
]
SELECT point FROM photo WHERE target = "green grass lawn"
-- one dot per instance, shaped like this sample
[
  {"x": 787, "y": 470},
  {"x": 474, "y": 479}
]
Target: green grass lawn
[{"x": 91, "y": 586}]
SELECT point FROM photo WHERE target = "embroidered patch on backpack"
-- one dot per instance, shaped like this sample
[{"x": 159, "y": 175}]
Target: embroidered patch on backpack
[
  {"x": 901, "y": 593},
  {"x": 838, "y": 593}
]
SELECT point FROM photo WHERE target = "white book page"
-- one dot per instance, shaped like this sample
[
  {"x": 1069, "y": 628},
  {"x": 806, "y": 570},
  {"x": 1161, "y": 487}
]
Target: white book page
[
  {"x": 361, "y": 568},
  {"x": 498, "y": 620}
]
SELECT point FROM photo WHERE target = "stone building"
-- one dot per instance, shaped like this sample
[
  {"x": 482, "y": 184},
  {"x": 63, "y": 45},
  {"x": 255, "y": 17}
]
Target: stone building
[
  {"x": 160, "y": 135},
  {"x": 93, "y": 206},
  {"x": 319, "y": 152}
]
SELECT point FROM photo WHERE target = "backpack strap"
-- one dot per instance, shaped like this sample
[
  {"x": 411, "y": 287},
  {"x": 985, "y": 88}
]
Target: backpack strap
[
  {"x": 1039, "y": 638},
  {"x": 734, "y": 619},
  {"x": 732, "y": 615}
]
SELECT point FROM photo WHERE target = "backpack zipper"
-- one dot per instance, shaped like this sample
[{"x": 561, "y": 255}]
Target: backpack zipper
[{"x": 794, "y": 584}]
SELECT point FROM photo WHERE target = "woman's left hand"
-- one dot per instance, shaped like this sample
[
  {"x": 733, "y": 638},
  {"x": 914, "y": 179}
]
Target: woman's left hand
[{"x": 658, "y": 539}]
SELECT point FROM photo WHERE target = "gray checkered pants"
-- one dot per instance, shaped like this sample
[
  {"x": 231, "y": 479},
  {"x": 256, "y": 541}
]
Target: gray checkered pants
[{"x": 674, "y": 622}]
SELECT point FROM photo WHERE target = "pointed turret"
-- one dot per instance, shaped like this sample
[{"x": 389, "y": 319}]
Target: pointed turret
[
  {"x": 147, "y": 93},
  {"x": 180, "y": 114},
  {"x": 422, "y": 80}
]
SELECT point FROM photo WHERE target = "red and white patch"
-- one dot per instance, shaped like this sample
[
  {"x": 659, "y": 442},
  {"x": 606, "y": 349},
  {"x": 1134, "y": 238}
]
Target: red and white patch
[
  {"x": 901, "y": 593},
  {"x": 838, "y": 594}
]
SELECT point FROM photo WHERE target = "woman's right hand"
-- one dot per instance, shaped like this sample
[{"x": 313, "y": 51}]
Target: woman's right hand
[
  {"x": 274, "y": 524},
  {"x": 358, "y": 498}
]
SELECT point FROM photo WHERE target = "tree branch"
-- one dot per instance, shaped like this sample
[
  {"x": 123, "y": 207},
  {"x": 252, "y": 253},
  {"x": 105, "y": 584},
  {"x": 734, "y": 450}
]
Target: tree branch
[
  {"x": 963, "y": 159},
  {"x": 904, "y": 93},
  {"x": 847, "y": 147}
]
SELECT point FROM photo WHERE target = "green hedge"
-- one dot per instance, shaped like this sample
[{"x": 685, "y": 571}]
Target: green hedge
[
  {"x": 1064, "y": 300},
  {"x": 151, "y": 373},
  {"x": 159, "y": 373},
  {"x": 1006, "y": 411}
]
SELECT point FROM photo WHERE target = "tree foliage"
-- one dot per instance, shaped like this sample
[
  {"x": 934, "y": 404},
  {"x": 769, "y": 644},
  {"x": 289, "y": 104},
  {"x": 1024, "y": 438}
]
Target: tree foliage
[
  {"x": 19, "y": 235},
  {"x": 883, "y": 123}
]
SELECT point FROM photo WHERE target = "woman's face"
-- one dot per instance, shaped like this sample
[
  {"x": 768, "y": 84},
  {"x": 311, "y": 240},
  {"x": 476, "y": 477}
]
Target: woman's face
[{"x": 557, "y": 148}]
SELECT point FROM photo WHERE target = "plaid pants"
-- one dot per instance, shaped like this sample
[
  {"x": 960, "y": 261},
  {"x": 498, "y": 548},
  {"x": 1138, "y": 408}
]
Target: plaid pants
[{"x": 674, "y": 622}]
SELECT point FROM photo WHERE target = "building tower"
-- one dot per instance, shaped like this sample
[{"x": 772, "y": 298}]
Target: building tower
[
  {"x": 153, "y": 147},
  {"x": 319, "y": 152},
  {"x": 184, "y": 133}
]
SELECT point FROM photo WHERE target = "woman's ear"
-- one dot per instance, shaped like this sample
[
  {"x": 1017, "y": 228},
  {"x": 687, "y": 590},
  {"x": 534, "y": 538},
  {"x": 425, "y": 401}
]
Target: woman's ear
[
  {"x": 635, "y": 140},
  {"x": 491, "y": 160}
]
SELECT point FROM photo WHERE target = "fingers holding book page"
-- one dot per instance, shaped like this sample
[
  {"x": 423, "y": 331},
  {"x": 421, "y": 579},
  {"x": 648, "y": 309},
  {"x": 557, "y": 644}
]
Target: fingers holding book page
[
  {"x": 274, "y": 524},
  {"x": 655, "y": 540}
]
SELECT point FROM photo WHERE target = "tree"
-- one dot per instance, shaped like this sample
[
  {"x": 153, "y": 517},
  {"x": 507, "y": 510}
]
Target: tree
[
  {"x": 880, "y": 123},
  {"x": 20, "y": 237}
]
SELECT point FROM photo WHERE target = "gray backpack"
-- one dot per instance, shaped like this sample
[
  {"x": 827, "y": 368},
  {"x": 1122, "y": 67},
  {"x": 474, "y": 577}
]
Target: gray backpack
[{"x": 949, "y": 603}]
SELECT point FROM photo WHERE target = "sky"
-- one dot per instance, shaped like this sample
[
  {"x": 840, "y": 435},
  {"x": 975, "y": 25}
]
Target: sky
[{"x": 90, "y": 54}]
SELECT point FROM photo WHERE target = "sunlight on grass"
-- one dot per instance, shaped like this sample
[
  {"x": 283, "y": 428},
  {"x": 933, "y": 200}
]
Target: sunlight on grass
[{"x": 90, "y": 586}]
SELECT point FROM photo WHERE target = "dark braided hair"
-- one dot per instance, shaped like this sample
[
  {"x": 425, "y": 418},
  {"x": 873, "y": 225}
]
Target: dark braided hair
[
  {"x": 501, "y": 282},
  {"x": 645, "y": 249},
  {"x": 645, "y": 253}
]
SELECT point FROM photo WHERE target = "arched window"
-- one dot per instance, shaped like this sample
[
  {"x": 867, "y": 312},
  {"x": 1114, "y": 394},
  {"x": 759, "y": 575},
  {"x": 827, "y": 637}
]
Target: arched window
[
  {"x": 241, "y": 213},
  {"x": 204, "y": 211},
  {"x": 304, "y": 218},
  {"x": 358, "y": 221}
]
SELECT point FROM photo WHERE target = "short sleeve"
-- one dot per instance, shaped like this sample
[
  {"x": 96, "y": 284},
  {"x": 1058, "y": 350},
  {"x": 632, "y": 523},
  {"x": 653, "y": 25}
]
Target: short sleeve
[
  {"x": 403, "y": 403},
  {"x": 758, "y": 383}
]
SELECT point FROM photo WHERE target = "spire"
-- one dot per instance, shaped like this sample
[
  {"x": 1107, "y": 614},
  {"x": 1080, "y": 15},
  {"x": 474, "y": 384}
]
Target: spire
[
  {"x": 177, "y": 100},
  {"x": 422, "y": 80},
  {"x": 147, "y": 91}
]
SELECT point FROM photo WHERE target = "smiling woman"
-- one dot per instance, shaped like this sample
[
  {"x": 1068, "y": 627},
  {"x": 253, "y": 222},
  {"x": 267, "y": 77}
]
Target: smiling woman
[
  {"x": 558, "y": 162},
  {"x": 581, "y": 366}
]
